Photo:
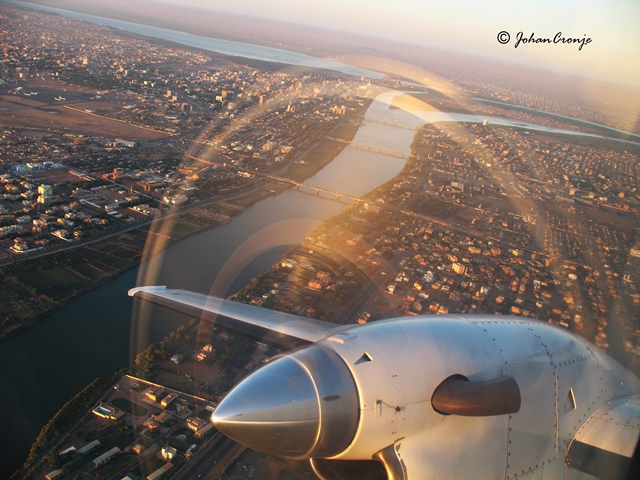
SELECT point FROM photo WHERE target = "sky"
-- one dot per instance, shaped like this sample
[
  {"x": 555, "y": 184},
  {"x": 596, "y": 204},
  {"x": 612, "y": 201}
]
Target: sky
[{"x": 472, "y": 26}]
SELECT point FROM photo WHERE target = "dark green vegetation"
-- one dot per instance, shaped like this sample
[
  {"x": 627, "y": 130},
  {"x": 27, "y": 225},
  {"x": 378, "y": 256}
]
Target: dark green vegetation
[
  {"x": 145, "y": 359},
  {"x": 220, "y": 185},
  {"x": 31, "y": 289},
  {"x": 346, "y": 130},
  {"x": 436, "y": 208}
]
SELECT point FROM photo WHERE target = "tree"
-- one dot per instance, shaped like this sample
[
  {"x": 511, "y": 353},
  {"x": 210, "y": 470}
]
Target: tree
[
  {"x": 182, "y": 330},
  {"x": 140, "y": 358},
  {"x": 53, "y": 460},
  {"x": 151, "y": 353}
]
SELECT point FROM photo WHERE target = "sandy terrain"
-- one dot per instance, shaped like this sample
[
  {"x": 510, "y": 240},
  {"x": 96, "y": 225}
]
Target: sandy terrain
[{"x": 43, "y": 112}]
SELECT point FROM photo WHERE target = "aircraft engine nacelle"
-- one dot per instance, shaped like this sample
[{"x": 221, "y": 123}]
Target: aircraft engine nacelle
[
  {"x": 431, "y": 397},
  {"x": 301, "y": 405}
]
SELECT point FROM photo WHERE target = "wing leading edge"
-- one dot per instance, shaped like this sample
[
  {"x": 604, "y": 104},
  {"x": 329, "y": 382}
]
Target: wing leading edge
[{"x": 281, "y": 329}]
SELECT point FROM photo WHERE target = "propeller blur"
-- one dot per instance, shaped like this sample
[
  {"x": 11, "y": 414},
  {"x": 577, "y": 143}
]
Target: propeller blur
[{"x": 427, "y": 397}]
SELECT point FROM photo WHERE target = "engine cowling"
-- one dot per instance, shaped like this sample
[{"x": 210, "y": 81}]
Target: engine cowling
[{"x": 426, "y": 398}]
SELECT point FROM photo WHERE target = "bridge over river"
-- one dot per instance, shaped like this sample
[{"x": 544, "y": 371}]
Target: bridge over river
[
  {"x": 374, "y": 148},
  {"x": 339, "y": 196},
  {"x": 393, "y": 123}
]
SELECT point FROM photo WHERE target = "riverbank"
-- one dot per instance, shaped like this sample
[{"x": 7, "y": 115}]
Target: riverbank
[
  {"x": 67, "y": 418},
  {"x": 32, "y": 289},
  {"x": 36, "y": 288}
]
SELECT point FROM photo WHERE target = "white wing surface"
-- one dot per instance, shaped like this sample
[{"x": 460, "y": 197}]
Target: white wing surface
[{"x": 271, "y": 326}]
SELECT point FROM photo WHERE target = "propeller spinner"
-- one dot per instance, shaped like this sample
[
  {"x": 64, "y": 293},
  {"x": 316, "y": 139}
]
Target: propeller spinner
[{"x": 304, "y": 404}]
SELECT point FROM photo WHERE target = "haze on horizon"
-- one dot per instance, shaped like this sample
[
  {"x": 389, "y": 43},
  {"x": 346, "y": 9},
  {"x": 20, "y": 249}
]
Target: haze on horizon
[
  {"x": 471, "y": 27},
  {"x": 451, "y": 47}
]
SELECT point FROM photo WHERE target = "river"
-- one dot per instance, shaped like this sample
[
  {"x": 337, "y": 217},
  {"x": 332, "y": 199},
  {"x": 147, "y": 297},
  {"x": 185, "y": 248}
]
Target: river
[
  {"x": 43, "y": 367},
  {"x": 551, "y": 114}
]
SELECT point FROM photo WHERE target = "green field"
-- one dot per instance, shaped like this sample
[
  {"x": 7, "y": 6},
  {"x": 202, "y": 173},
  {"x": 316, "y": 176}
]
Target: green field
[
  {"x": 437, "y": 208},
  {"x": 130, "y": 407},
  {"x": 65, "y": 277},
  {"x": 182, "y": 228},
  {"x": 107, "y": 247},
  {"x": 88, "y": 271},
  {"x": 48, "y": 282},
  {"x": 41, "y": 283},
  {"x": 116, "y": 262},
  {"x": 126, "y": 253}
]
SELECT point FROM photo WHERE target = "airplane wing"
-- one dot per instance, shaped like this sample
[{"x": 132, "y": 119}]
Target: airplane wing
[
  {"x": 605, "y": 444},
  {"x": 282, "y": 329}
]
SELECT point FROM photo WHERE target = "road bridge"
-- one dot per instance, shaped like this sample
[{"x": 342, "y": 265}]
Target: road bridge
[
  {"x": 383, "y": 150},
  {"x": 374, "y": 148},
  {"x": 393, "y": 123},
  {"x": 340, "y": 196}
]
